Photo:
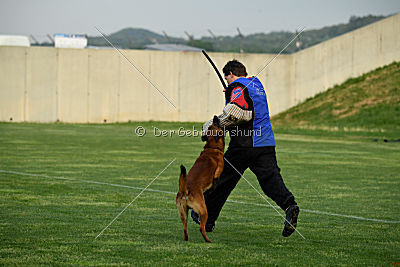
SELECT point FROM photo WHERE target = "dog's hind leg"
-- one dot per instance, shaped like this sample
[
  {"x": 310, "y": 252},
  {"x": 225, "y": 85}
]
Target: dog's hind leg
[
  {"x": 200, "y": 208},
  {"x": 183, "y": 214}
]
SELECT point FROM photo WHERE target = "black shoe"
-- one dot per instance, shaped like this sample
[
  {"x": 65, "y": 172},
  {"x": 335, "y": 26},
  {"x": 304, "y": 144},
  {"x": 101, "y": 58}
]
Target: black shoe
[
  {"x": 196, "y": 218},
  {"x": 292, "y": 212}
]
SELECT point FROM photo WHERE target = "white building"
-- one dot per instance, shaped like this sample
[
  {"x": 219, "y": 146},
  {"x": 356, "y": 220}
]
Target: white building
[
  {"x": 14, "y": 40},
  {"x": 70, "y": 40}
]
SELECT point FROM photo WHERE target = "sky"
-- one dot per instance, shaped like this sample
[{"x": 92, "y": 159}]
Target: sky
[{"x": 41, "y": 17}]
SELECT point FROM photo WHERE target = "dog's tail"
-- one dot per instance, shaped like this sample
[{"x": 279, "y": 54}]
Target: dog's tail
[{"x": 182, "y": 181}]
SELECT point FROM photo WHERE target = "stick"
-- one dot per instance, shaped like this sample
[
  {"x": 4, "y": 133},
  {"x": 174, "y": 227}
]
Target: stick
[{"x": 215, "y": 68}]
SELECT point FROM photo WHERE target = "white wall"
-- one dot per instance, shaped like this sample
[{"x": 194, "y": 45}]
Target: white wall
[{"x": 45, "y": 84}]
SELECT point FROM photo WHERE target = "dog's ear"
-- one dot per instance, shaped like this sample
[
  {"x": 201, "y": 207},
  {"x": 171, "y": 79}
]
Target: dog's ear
[
  {"x": 204, "y": 138},
  {"x": 216, "y": 121}
]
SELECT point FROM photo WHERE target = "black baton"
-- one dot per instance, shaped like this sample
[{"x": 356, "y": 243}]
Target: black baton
[{"x": 215, "y": 68}]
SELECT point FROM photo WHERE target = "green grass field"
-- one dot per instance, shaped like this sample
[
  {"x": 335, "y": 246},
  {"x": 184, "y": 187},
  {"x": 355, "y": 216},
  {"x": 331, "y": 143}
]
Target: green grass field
[{"x": 53, "y": 215}]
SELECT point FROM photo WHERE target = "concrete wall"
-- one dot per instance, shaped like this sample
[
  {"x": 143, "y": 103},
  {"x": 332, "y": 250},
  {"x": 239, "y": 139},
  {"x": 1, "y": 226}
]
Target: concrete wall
[
  {"x": 46, "y": 84},
  {"x": 350, "y": 55}
]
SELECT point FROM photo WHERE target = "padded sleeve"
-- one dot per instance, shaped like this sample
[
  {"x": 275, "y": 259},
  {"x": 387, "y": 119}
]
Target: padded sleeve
[{"x": 231, "y": 115}]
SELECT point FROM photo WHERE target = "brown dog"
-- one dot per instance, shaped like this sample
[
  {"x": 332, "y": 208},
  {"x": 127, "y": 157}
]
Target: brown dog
[{"x": 201, "y": 177}]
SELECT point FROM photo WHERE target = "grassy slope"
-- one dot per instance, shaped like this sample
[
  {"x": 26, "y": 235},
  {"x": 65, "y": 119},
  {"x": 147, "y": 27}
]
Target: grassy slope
[
  {"x": 370, "y": 102},
  {"x": 51, "y": 221}
]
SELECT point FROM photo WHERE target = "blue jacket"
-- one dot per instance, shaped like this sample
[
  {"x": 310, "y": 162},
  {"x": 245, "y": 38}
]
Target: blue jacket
[{"x": 257, "y": 132}]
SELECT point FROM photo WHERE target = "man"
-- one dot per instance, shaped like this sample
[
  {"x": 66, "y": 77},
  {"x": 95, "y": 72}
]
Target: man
[{"x": 252, "y": 145}]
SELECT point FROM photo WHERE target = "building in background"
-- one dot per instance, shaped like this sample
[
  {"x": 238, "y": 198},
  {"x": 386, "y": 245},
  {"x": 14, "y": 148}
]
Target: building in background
[
  {"x": 14, "y": 40},
  {"x": 62, "y": 40},
  {"x": 172, "y": 47}
]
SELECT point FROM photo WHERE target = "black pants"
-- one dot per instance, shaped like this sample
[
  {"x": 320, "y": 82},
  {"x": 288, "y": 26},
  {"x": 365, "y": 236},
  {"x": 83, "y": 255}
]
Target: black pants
[{"x": 262, "y": 162}]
